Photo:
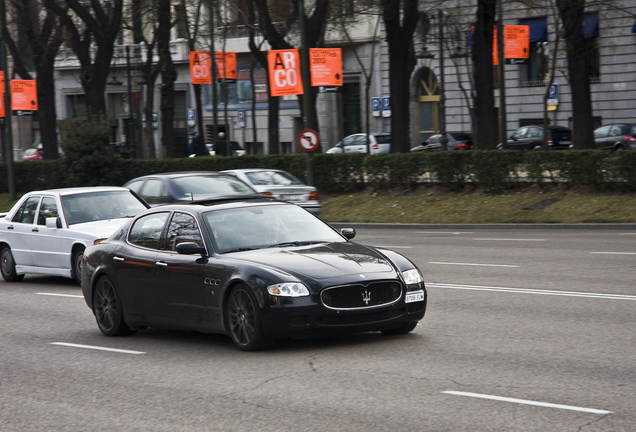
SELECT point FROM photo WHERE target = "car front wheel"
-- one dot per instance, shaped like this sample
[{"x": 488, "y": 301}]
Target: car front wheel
[
  {"x": 108, "y": 309},
  {"x": 77, "y": 260},
  {"x": 244, "y": 320},
  {"x": 7, "y": 266}
]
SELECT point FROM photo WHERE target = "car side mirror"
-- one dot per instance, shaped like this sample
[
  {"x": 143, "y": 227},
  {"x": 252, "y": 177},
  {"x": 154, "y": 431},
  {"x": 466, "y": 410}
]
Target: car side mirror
[
  {"x": 53, "y": 222},
  {"x": 190, "y": 248},
  {"x": 348, "y": 233}
]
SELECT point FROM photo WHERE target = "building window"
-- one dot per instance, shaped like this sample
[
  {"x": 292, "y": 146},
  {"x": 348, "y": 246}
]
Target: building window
[{"x": 535, "y": 72}]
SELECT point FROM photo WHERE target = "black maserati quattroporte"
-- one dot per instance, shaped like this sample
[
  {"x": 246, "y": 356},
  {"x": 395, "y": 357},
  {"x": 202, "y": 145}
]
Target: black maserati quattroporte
[{"x": 250, "y": 267}]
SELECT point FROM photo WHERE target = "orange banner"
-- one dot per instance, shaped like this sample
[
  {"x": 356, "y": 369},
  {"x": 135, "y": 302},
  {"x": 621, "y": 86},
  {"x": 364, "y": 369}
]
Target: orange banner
[
  {"x": 24, "y": 95},
  {"x": 200, "y": 67},
  {"x": 226, "y": 65},
  {"x": 2, "y": 84},
  {"x": 284, "y": 72},
  {"x": 516, "y": 41},
  {"x": 326, "y": 66}
]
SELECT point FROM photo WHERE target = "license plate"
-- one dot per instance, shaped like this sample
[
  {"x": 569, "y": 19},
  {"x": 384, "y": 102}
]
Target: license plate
[
  {"x": 291, "y": 197},
  {"x": 414, "y": 297}
]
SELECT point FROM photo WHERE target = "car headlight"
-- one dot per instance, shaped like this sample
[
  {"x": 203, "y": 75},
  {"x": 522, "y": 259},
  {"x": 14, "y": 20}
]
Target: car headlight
[
  {"x": 412, "y": 277},
  {"x": 288, "y": 289}
]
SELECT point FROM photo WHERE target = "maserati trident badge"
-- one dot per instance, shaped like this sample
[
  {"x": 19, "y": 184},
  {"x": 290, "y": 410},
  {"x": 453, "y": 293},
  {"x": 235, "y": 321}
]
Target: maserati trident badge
[{"x": 366, "y": 297}]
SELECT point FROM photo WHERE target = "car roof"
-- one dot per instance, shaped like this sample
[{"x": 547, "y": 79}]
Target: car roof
[
  {"x": 179, "y": 174},
  {"x": 228, "y": 201},
  {"x": 79, "y": 190},
  {"x": 246, "y": 170}
]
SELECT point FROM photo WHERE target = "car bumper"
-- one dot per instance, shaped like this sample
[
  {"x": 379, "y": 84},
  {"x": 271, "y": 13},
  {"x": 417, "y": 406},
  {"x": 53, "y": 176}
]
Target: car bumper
[{"x": 305, "y": 318}]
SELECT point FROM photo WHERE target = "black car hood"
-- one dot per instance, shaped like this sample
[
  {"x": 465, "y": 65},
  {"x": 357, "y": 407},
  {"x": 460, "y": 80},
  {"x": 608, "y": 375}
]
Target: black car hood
[{"x": 323, "y": 261}]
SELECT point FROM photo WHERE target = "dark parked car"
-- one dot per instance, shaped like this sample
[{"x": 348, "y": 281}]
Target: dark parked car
[
  {"x": 619, "y": 136},
  {"x": 531, "y": 138},
  {"x": 165, "y": 188},
  {"x": 456, "y": 141},
  {"x": 255, "y": 269}
]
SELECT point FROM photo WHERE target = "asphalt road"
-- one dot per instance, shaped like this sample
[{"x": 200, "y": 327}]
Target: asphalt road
[{"x": 529, "y": 330}]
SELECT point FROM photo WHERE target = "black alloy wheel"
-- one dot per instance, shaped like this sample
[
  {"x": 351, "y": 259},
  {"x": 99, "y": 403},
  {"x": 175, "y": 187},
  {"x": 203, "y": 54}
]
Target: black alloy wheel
[
  {"x": 108, "y": 309},
  {"x": 7, "y": 266},
  {"x": 244, "y": 320},
  {"x": 77, "y": 262}
]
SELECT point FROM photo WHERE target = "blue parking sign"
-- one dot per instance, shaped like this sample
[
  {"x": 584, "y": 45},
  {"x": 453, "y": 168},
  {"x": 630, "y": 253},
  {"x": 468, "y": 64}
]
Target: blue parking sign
[
  {"x": 191, "y": 114},
  {"x": 386, "y": 107}
]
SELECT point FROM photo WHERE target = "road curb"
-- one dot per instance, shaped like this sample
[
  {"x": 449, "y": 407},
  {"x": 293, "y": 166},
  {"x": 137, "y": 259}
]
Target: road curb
[{"x": 582, "y": 226}]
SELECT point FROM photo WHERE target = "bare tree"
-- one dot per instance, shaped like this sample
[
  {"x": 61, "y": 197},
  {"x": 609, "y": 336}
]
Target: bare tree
[
  {"x": 485, "y": 136},
  {"x": 87, "y": 23},
  {"x": 44, "y": 36},
  {"x": 400, "y": 21},
  {"x": 571, "y": 12}
]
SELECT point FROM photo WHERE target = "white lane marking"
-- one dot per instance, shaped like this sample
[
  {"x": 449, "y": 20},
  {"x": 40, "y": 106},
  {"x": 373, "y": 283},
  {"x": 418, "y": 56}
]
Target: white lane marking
[
  {"x": 61, "y": 295},
  {"x": 446, "y": 232},
  {"x": 394, "y": 247},
  {"x": 97, "y": 348},
  {"x": 472, "y": 264},
  {"x": 529, "y": 402},
  {"x": 533, "y": 291},
  {"x": 506, "y": 239},
  {"x": 614, "y": 253}
]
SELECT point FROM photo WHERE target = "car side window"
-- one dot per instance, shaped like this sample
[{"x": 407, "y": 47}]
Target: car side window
[
  {"x": 135, "y": 186},
  {"x": 521, "y": 133},
  {"x": 350, "y": 140},
  {"x": 48, "y": 209},
  {"x": 534, "y": 133},
  {"x": 183, "y": 228},
  {"x": 616, "y": 130},
  {"x": 146, "y": 231},
  {"x": 26, "y": 212},
  {"x": 154, "y": 192},
  {"x": 601, "y": 132}
]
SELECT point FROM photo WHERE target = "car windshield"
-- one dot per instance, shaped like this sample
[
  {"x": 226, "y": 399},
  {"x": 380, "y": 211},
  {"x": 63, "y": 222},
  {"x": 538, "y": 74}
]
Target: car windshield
[
  {"x": 273, "y": 178},
  {"x": 267, "y": 226},
  {"x": 202, "y": 186},
  {"x": 95, "y": 206}
]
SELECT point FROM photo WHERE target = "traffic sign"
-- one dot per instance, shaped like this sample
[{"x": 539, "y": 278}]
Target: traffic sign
[
  {"x": 240, "y": 117},
  {"x": 308, "y": 140},
  {"x": 386, "y": 107},
  {"x": 191, "y": 114},
  {"x": 376, "y": 106}
]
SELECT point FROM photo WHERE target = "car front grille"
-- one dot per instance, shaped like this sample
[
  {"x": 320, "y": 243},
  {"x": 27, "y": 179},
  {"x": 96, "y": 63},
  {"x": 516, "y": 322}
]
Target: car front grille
[{"x": 360, "y": 296}]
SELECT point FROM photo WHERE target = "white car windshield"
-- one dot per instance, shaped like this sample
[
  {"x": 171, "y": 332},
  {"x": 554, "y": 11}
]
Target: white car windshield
[
  {"x": 94, "y": 206},
  {"x": 267, "y": 226}
]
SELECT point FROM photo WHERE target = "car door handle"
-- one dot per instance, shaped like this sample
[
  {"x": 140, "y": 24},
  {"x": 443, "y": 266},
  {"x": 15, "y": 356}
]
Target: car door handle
[
  {"x": 161, "y": 264},
  {"x": 35, "y": 230},
  {"x": 10, "y": 227},
  {"x": 118, "y": 259}
]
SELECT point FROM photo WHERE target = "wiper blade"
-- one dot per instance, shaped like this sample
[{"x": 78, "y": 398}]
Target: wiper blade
[
  {"x": 243, "y": 249},
  {"x": 298, "y": 243}
]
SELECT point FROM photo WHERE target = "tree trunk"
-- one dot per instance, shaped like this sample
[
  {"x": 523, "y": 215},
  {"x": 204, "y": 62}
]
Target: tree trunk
[
  {"x": 168, "y": 77},
  {"x": 485, "y": 136},
  {"x": 571, "y": 12},
  {"x": 401, "y": 64}
]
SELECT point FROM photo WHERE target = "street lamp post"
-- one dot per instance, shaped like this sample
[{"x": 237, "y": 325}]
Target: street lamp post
[{"x": 131, "y": 118}]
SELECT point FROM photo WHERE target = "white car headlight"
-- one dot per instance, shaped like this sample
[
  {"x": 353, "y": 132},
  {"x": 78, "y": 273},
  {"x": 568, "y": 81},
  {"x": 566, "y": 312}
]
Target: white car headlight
[
  {"x": 288, "y": 289},
  {"x": 412, "y": 276}
]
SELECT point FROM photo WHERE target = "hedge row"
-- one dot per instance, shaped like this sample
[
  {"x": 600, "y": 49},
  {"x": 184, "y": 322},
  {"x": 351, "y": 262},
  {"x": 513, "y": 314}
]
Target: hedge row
[{"x": 488, "y": 170}]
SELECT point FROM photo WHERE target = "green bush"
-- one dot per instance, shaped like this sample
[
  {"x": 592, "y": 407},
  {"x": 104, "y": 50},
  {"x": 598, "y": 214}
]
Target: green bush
[
  {"x": 89, "y": 159},
  {"x": 451, "y": 168}
]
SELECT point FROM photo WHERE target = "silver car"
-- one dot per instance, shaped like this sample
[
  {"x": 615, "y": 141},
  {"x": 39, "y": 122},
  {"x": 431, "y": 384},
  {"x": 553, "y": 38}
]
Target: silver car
[
  {"x": 357, "y": 143},
  {"x": 47, "y": 231},
  {"x": 280, "y": 184}
]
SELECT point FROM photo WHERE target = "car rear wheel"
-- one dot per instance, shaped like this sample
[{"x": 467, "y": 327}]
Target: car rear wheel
[
  {"x": 7, "y": 266},
  {"x": 403, "y": 329},
  {"x": 77, "y": 260},
  {"x": 108, "y": 309},
  {"x": 244, "y": 320}
]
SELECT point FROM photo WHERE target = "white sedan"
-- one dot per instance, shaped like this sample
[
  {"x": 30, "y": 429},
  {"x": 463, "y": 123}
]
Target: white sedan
[
  {"x": 47, "y": 231},
  {"x": 280, "y": 184}
]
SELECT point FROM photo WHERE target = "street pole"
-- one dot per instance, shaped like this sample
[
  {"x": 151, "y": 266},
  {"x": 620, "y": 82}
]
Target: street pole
[
  {"x": 442, "y": 96},
  {"x": 502, "y": 77},
  {"x": 131, "y": 117},
  {"x": 8, "y": 130},
  {"x": 306, "y": 77}
]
